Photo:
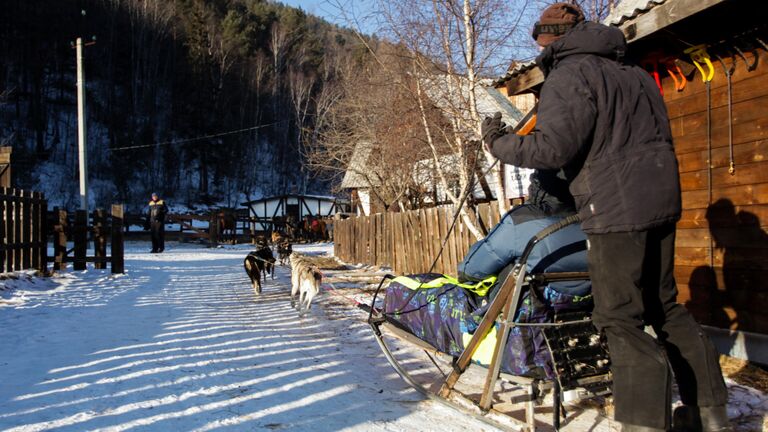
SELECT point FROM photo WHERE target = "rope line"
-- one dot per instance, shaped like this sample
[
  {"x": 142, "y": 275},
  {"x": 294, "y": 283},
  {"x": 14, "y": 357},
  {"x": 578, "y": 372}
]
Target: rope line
[{"x": 200, "y": 138}]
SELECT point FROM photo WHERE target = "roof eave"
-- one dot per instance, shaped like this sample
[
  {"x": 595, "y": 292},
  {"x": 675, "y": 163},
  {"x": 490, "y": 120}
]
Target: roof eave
[{"x": 634, "y": 28}]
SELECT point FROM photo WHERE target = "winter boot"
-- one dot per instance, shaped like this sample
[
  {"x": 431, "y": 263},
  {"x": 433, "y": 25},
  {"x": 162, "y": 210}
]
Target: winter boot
[
  {"x": 687, "y": 418},
  {"x": 626, "y": 427}
]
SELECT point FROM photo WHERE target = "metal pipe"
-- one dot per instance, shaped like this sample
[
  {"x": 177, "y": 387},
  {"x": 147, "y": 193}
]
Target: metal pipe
[{"x": 81, "y": 127}]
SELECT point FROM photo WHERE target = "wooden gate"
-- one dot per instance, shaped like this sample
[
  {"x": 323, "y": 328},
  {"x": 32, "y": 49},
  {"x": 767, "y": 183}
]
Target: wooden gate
[{"x": 22, "y": 230}]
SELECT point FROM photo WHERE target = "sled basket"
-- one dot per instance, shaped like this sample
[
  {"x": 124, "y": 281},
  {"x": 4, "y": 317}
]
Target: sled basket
[{"x": 576, "y": 364}]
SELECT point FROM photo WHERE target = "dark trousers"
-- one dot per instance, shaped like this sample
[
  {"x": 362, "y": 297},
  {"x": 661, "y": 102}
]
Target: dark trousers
[
  {"x": 633, "y": 286},
  {"x": 158, "y": 236}
]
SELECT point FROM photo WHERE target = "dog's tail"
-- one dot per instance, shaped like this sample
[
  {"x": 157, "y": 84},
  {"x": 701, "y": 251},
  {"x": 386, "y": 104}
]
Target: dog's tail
[{"x": 317, "y": 274}]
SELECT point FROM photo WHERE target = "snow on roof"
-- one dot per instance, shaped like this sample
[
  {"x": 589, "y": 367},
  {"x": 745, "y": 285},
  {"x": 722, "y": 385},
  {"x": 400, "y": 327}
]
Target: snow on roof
[
  {"x": 629, "y": 9},
  {"x": 451, "y": 93},
  {"x": 305, "y": 196},
  {"x": 517, "y": 70},
  {"x": 354, "y": 177}
]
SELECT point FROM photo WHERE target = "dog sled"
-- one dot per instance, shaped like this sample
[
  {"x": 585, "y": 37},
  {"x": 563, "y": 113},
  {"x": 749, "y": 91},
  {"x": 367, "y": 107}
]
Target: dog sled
[{"x": 525, "y": 342}]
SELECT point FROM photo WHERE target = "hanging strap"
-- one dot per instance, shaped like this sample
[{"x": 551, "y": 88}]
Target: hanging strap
[{"x": 480, "y": 288}]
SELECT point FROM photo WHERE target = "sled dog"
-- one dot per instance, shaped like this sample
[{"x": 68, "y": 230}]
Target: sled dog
[
  {"x": 254, "y": 272},
  {"x": 284, "y": 250},
  {"x": 305, "y": 281}
]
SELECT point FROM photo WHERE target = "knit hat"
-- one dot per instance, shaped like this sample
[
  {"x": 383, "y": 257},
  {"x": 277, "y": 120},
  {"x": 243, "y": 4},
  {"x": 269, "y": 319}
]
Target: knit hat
[{"x": 555, "y": 21}]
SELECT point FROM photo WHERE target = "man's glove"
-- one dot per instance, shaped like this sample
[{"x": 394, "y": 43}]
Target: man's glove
[{"x": 491, "y": 129}]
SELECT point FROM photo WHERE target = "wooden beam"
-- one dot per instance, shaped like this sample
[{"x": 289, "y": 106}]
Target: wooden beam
[
  {"x": 645, "y": 24},
  {"x": 662, "y": 16},
  {"x": 525, "y": 81}
]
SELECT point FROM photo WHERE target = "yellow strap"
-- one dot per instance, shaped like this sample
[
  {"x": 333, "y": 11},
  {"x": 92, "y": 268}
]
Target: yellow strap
[{"x": 480, "y": 288}]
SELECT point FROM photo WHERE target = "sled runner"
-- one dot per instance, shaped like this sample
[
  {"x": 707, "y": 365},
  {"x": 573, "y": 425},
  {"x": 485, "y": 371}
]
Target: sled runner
[{"x": 522, "y": 333}]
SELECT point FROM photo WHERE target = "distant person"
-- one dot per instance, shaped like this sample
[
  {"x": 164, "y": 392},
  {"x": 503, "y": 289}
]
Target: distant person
[{"x": 156, "y": 223}]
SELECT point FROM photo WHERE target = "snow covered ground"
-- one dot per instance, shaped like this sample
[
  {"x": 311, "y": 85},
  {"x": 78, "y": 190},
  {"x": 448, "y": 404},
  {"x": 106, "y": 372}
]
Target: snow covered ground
[{"x": 181, "y": 343}]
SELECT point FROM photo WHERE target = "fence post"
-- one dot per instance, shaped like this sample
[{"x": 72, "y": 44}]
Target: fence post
[
  {"x": 3, "y": 242},
  {"x": 213, "y": 230},
  {"x": 9, "y": 231},
  {"x": 42, "y": 236},
  {"x": 60, "y": 240},
  {"x": 81, "y": 239},
  {"x": 17, "y": 239},
  {"x": 36, "y": 224},
  {"x": 118, "y": 248},
  {"x": 26, "y": 222},
  {"x": 99, "y": 239}
]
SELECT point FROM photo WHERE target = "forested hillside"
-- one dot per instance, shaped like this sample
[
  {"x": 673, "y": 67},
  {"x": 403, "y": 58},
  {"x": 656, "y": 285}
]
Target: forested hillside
[{"x": 252, "y": 76}]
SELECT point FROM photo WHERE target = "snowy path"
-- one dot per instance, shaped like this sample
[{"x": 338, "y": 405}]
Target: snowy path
[{"x": 181, "y": 343}]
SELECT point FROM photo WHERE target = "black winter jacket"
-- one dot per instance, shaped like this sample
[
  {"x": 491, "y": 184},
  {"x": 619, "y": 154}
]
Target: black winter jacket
[
  {"x": 604, "y": 122},
  {"x": 157, "y": 212}
]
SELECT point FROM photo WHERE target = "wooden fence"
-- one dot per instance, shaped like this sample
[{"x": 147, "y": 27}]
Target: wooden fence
[
  {"x": 101, "y": 227},
  {"x": 22, "y": 230},
  {"x": 409, "y": 241}
]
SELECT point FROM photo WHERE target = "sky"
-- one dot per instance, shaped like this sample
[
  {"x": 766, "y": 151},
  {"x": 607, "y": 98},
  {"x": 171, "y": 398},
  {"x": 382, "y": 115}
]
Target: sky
[{"x": 348, "y": 13}]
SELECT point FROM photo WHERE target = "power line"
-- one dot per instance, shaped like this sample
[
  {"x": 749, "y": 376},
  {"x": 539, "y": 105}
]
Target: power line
[{"x": 200, "y": 138}]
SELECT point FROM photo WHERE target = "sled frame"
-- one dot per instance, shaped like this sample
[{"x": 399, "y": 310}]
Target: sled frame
[{"x": 502, "y": 310}]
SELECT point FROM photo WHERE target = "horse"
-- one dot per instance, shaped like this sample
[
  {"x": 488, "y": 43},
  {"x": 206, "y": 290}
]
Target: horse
[{"x": 228, "y": 225}]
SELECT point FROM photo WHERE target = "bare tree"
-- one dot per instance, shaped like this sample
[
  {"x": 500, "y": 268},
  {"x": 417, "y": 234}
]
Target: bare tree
[
  {"x": 371, "y": 129},
  {"x": 452, "y": 45}
]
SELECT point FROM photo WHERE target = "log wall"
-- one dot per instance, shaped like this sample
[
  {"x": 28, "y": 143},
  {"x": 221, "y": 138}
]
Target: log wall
[{"x": 722, "y": 245}]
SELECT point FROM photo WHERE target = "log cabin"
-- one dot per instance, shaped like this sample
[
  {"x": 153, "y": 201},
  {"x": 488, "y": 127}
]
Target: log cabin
[{"x": 708, "y": 58}]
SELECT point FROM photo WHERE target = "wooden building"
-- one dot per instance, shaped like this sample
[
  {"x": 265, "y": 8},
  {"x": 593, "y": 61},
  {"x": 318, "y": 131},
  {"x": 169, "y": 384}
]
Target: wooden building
[
  {"x": 362, "y": 179},
  {"x": 720, "y": 129},
  {"x": 265, "y": 210},
  {"x": 5, "y": 166}
]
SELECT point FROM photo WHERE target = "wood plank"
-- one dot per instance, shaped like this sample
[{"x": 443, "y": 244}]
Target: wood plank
[
  {"x": 695, "y": 120},
  {"x": 662, "y": 16},
  {"x": 747, "y": 174},
  {"x": 746, "y": 153},
  {"x": 525, "y": 81},
  {"x": 744, "y": 113},
  {"x": 60, "y": 240},
  {"x": 3, "y": 230},
  {"x": 17, "y": 228},
  {"x": 738, "y": 195},
  {"x": 81, "y": 239},
  {"x": 740, "y": 216},
  {"x": 117, "y": 245},
  {"x": 36, "y": 228},
  {"x": 44, "y": 230},
  {"x": 26, "y": 221},
  {"x": 742, "y": 133},
  {"x": 739, "y": 258},
  {"x": 426, "y": 242},
  {"x": 436, "y": 239}
]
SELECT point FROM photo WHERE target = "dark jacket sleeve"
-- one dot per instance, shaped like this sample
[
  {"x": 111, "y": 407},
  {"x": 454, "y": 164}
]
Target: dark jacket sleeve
[{"x": 565, "y": 124}]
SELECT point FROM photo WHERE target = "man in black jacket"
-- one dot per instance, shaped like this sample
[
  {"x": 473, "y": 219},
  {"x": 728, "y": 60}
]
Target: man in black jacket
[
  {"x": 604, "y": 122},
  {"x": 156, "y": 222}
]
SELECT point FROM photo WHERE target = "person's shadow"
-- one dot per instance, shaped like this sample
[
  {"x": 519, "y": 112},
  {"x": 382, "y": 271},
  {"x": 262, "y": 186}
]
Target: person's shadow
[{"x": 726, "y": 296}]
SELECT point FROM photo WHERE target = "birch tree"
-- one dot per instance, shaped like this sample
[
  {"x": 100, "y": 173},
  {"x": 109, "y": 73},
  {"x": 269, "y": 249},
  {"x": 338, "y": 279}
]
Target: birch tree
[{"x": 453, "y": 45}]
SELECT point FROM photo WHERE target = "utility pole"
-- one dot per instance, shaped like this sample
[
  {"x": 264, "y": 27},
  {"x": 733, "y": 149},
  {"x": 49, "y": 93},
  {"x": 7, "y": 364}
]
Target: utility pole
[{"x": 81, "y": 128}]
